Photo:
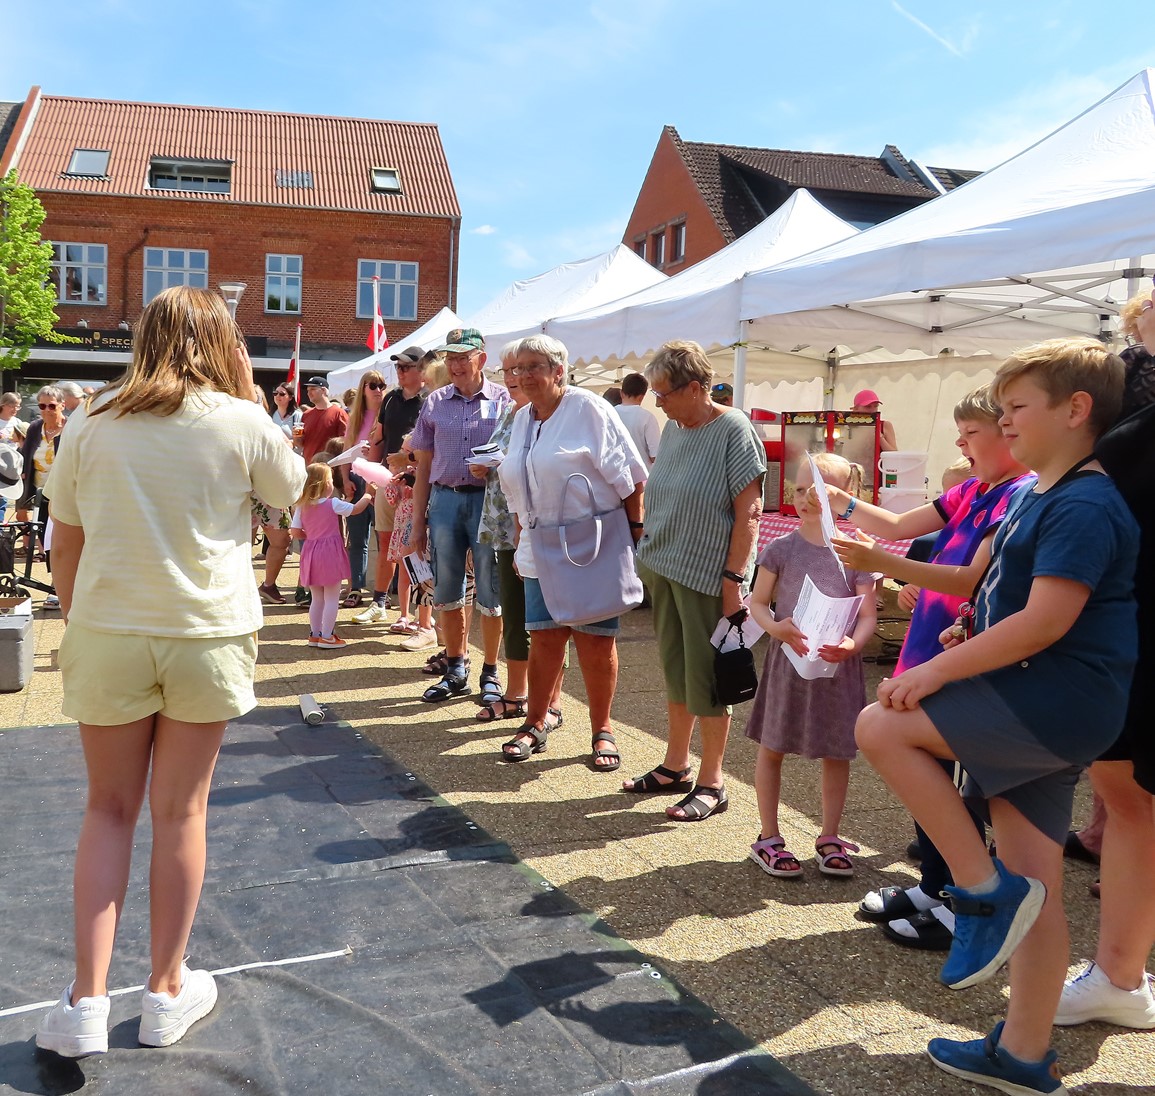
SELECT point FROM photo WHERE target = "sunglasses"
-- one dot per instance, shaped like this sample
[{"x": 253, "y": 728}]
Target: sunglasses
[
  {"x": 405, "y": 368},
  {"x": 46, "y": 406},
  {"x": 375, "y": 386}
]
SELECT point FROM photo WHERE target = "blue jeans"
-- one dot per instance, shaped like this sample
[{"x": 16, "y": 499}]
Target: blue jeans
[
  {"x": 358, "y": 527},
  {"x": 537, "y": 615},
  {"x": 452, "y": 521}
]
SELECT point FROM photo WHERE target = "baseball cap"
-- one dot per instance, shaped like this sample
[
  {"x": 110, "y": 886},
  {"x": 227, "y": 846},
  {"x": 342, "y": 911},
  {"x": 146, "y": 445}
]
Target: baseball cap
[
  {"x": 317, "y": 382},
  {"x": 410, "y": 354},
  {"x": 866, "y": 396},
  {"x": 722, "y": 389},
  {"x": 463, "y": 339}
]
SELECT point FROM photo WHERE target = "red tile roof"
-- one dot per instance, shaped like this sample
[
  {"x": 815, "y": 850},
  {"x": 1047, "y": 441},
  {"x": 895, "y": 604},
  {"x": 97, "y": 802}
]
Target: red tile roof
[{"x": 337, "y": 152}]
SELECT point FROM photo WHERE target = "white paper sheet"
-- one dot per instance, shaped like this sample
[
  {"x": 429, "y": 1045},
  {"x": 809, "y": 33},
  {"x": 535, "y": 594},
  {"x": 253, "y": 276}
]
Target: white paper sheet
[
  {"x": 348, "y": 457},
  {"x": 486, "y": 460},
  {"x": 751, "y": 631},
  {"x": 418, "y": 568},
  {"x": 826, "y": 517},
  {"x": 824, "y": 621}
]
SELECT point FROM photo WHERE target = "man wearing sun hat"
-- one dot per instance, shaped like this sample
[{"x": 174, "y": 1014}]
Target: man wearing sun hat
[
  {"x": 447, "y": 506},
  {"x": 867, "y": 400}
]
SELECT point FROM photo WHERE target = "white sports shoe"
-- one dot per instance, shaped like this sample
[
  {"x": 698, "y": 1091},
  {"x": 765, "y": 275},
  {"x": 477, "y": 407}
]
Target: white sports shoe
[
  {"x": 164, "y": 1020},
  {"x": 1093, "y": 996},
  {"x": 371, "y": 614},
  {"x": 73, "y": 1031},
  {"x": 420, "y": 640}
]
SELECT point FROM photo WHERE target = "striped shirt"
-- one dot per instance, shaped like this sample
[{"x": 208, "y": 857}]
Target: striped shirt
[
  {"x": 451, "y": 424},
  {"x": 690, "y": 499}
]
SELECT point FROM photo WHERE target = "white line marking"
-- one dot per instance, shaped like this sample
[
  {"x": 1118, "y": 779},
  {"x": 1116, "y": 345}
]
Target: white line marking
[{"x": 222, "y": 970}]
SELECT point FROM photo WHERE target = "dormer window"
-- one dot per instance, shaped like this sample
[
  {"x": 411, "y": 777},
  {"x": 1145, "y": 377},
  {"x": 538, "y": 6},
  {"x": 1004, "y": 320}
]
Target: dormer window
[
  {"x": 89, "y": 163},
  {"x": 209, "y": 176},
  {"x": 385, "y": 180}
]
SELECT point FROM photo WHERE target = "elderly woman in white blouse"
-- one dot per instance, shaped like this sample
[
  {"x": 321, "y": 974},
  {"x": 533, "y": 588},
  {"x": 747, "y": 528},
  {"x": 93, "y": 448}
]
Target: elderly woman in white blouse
[{"x": 565, "y": 430}]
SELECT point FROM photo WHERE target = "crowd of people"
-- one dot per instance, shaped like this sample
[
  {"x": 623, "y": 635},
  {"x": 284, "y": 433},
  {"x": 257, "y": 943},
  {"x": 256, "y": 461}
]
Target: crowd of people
[{"x": 1017, "y": 672}]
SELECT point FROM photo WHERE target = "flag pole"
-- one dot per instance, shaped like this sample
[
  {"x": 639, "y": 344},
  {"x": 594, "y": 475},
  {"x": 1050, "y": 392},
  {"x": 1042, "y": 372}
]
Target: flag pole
[
  {"x": 376, "y": 313},
  {"x": 297, "y": 368}
]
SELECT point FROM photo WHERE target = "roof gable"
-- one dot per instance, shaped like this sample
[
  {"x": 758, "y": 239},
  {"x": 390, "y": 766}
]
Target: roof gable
[{"x": 298, "y": 160}]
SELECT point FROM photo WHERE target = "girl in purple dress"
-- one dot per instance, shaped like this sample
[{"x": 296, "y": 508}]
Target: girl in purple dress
[
  {"x": 324, "y": 561},
  {"x": 811, "y": 717}
]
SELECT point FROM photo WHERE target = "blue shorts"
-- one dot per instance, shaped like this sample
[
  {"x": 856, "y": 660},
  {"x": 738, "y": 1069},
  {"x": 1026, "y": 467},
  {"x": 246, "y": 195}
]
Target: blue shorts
[
  {"x": 453, "y": 520},
  {"x": 537, "y": 616}
]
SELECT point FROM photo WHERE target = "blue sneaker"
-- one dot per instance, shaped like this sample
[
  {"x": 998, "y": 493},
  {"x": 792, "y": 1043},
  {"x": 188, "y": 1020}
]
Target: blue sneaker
[
  {"x": 988, "y": 927},
  {"x": 981, "y": 1061}
]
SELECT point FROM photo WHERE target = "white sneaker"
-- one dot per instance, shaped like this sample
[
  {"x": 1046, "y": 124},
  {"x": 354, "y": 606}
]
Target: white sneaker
[
  {"x": 1093, "y": 996},
  {"x": 420, "y": 640},
  {"x": 164, "y": 1019},
  {"x": 73, "y": 1031},
  {"x": 371, "y": 614}
]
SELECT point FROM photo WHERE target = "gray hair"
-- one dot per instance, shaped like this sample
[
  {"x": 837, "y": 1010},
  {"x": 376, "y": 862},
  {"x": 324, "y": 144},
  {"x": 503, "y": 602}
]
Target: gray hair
[
  {"x": 71, "y": 388},
  {"x": 50, "y": 392},
  {"x": 11, "y": 399},
  {"x": 509, "y": 350},
  {"x": 547, "y": 346},
  {"x": 679, "y": 363}
]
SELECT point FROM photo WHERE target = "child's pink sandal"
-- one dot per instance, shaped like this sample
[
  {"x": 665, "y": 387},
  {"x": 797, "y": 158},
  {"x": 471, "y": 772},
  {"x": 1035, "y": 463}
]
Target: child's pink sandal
[
  {"x": 771, "y": 854},
  {"x": 827, "y": 860}
]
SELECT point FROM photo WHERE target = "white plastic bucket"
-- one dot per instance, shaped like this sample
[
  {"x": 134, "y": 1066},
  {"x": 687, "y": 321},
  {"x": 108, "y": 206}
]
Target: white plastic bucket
[
  {"x": 900, "y": 499},
  {"x": 902, "y": 468}
]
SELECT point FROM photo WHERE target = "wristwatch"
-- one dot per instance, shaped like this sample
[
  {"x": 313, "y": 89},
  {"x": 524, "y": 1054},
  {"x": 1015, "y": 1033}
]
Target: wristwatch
[{"x": 733, "y": 576}]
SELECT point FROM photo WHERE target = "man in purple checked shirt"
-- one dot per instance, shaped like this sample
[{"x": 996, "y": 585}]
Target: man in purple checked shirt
[{"x": 447, "y": 508}]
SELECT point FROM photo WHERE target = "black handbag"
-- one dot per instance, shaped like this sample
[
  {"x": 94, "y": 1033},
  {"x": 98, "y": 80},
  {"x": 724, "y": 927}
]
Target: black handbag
[{"x": 735, "y": 679}]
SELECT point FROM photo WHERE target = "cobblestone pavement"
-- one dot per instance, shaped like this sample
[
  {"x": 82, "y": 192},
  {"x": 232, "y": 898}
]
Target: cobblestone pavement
[{"x": 785, "y": 961}]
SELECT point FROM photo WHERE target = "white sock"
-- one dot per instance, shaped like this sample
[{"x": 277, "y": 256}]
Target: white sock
[
  {"x": 921, "y": 900},
  {"x": 988, "y": 886}
]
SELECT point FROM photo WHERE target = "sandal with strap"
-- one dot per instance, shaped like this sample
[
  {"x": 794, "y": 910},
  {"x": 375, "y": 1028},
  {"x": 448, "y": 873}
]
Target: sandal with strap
[
  {"x": 826, "y": 860},
  {"x": 608, "y": 754},
  {"x": 558, "y": 718},
  {"x": 512, "y": 707},
  {"x": 890, "y": 904},
  {"x": 674, "y": 784},
  {"x": 770, "y": 854},
  {"x": 518, "y": 749},
  {"x": 694, "y": 807},
  {"x": 490, "y": 688},
  {"x": 436, "y": 664},
  {"x": 352, "y": 600},
  {"x": 450, "y": 685}
]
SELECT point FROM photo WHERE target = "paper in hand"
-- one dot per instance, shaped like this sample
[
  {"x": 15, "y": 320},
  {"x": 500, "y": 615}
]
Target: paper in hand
[
  {"x": 826, "y": 518},
  {"x": 348, "y": 457},
  {"x": 727, "y": 636}
]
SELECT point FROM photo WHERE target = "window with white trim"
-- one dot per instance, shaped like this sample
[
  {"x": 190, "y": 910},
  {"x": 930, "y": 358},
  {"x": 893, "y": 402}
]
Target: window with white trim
[
  {"x": 658, "y": 248},
  {"x": 211, "y": 176},
  {"x": 385, "y": 180},
  {"x": 678, "y": 242},
  {"x": 80, "y": 273},
  {"x": 89, "y": 163},
  {"x": 165, "y": 267},
  {"x": 398, "y": 288},
  {"x": 283, "y": 283}
]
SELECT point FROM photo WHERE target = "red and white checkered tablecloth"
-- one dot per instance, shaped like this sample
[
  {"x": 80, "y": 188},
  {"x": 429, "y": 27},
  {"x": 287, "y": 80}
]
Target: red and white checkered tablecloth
[{"x": 774, "y": 525}]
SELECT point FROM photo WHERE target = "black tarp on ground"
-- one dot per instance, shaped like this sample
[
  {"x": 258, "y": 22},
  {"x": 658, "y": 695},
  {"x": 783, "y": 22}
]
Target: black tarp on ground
[{"x": 459, "y": 970}]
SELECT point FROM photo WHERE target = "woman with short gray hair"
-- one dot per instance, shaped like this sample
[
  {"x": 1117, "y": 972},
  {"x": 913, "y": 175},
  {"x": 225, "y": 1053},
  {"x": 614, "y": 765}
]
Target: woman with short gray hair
[
  {"x": 39, "y": 451},
  {"x": 703, "y": 503}
]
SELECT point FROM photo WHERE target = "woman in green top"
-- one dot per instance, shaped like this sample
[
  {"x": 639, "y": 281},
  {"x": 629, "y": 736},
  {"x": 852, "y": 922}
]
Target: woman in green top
[{"x": 703, "y": 503}]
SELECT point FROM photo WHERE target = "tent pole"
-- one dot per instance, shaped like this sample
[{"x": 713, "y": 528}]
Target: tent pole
[
  {"x": 740, "y": 366},
  {"x": 831, "y": 376}
]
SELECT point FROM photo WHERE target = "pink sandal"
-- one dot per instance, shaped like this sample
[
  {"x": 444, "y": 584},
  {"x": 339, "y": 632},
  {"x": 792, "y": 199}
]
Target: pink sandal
[
  {"x": 826, "y": 860},
  {"x": 769, "y": 855}
]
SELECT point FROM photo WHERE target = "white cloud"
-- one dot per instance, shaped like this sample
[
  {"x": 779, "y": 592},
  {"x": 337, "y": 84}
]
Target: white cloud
[
  {"x": 483, "y": 230},
  {"x": 945, "y": 43}
]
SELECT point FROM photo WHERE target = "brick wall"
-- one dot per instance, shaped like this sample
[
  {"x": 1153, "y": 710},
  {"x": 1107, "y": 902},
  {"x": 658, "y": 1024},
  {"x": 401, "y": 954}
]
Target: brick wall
[
  {"x": 237, "y": 238},
  {"x": 667, "y": 197}
]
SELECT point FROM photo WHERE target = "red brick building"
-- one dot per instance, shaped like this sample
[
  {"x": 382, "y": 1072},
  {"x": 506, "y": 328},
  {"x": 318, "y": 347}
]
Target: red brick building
[
  {"x": 304, "y": 209},
  {"x": 696, "y": 198}
]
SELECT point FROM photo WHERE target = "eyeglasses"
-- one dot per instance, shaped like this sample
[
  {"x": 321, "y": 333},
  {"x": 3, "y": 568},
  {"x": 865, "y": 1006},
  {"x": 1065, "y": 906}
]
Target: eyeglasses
[
  {"x": 47, "y": 406},
  {"x": 522, "y": 370},
  {"x": 404, "y": 368},
  {"x": 460, "y": 359},
  {"x": 661, "y": 397},
  {"x": 375, "y": 386}
]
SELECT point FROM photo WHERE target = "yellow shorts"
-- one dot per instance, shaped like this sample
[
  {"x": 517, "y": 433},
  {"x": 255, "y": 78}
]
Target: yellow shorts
[
  {"x": 384, "y": 513},
  {"x": 111, "y": 678}
]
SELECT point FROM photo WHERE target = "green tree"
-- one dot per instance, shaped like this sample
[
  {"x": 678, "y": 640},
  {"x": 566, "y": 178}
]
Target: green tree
[{"x": 27, "y": 297}]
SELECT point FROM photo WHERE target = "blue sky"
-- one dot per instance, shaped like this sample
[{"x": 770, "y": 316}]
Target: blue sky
[{"x": 550, "y": 113}]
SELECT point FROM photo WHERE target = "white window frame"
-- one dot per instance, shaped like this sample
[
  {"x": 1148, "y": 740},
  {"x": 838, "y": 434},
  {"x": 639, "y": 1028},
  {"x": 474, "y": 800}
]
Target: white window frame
[
  {"x": 192, "y": 176},
  {"x": 658, "y": 245},
  {"x": 74, "y": 171},
  {"x": 396, "y": 283},
  {"x": 283, "y": 277},
  {"x": 174, "y": 274},
  {"x": 61, "y": 264},
  {"x": 380, "y": 185},
  {"x": 678, "y": 242}
]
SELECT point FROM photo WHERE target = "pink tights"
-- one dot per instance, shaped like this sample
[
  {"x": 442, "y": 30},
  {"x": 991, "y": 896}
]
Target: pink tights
[{"x": 323, "y": 609}]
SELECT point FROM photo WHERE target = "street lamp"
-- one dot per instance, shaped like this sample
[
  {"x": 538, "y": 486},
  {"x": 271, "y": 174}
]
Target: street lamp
[{"x": 232, "y": 293}]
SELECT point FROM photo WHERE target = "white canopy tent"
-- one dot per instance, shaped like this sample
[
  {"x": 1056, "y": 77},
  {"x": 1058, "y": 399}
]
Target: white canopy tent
[
  {"x": 428, "y": 335},
  {"x": 525, "y": 307}
]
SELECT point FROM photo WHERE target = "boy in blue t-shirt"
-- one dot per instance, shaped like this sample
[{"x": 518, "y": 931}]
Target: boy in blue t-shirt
[{"x": 1037, "y": 693}]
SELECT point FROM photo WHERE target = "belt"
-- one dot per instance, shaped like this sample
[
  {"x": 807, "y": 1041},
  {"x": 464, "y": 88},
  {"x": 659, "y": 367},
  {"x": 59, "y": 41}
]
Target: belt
[{"x": 465, "y": 488}]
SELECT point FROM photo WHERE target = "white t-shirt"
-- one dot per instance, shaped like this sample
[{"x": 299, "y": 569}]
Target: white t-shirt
[
  {"x": 166, "y": 511},
  {"x": 582, "y": 435},
  {"x": 643, "y": 426}
]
